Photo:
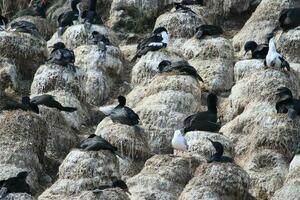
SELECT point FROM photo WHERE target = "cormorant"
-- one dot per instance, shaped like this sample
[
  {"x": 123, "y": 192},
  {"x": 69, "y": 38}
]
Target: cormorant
[
  {"x": 204, "y": 121},
  {"x": 205, "y": 29},
  {"x": 101, "y": 41},
  {"x": 181, "y": 67},
  {"x": 39, "y": 9},
  {"x": 181, "y": 7},
  {"x": 289, "y": 18},
  {"x": 124, "y": 115},
  {"x": 25, "y": 105},
  {"x": 24, "y": 27},
  {"x": 116, "y": 184},
  {"x": 286, "y": 103},
  {"x": 218, "y": 156},
  {"x": 258, "y": 51}
]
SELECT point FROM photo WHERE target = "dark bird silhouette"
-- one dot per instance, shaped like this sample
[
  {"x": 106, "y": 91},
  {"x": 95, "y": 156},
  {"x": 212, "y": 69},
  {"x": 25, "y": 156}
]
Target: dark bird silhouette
[
  {"x": 90, "y": 16},
  {"x": 181, "y": 67},
  {"x": 181, "y": 8},
  {"x": 24, "y": 27},
  {"x": 157, "y": 41},
  {"x": 15, "y": 185},
  {"x": 49, "y": 101},
  {"x": 39, "y": 9},
  {"x": 67, "y": 18},
  {"x": 289, "y": 18},
  {"x": 97, "y": 143},
  {"x": 101, "y": 41},
  {"x": 62, "y": 56},
  {"x": 116, "y": 184},
  {"x": 192, "y": 2},
  {"x": 124, "y": 115},
  {"x": 25, "y": 105},
  {"x": 204, "y": 30},
  {"x": 204, "y": 121},
  {"x": 3, "y": 22},
  {"x": 286, "y": 103},
  {"x": 218, "y": 156},
  {"x": 258, "y": 51}
]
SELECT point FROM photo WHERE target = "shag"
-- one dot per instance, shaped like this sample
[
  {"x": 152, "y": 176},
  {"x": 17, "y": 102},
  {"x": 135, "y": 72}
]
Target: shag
[
  {"x": 24, "y": 27},
  {"x": 39, "y": 9},
  {"x": 218, "y": 156},
  {"x": 204, "y": 121},
  {"x": 289, "y": 18},
  {"x": 192, "y": 2},
  {"x": 179, "y": 142},
  {"x": 3, "y": 22},
  {"x": 204, "y": 30},
  {"x": 97, "y": 143},
  {"x": 116, "y": 184},
  {"x": 25, "y": 105},
  {"x": 49, "y": 101},
  {"x": 15, "y": 185},
  {"x": 286, "y": 103},
  {"x": 62, "y": 56},
  {"x": 181, "y": 67},
  {"x": 159, "y": 40},
  {"x": 180, "y": 7},
  {"x": 68, "y": 18},
  {"x": 90, "y": 16},
  {"x": 101, "y": 41},
  {"x": 258, "y": 51},
  {"x": 274, "y": 59}
]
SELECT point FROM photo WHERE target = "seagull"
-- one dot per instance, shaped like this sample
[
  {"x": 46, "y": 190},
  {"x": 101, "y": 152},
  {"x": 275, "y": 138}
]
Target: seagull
[
  {"x": 274, "y": 59},
  {"x": 179, "y": 142}
]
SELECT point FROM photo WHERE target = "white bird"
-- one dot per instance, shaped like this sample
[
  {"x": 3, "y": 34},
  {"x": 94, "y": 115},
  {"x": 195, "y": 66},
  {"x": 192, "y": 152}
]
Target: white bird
[
  {"x": 179, "y": 142},
  {"x": 106, "y": 110},
  {"x": 274, "y": 59}
]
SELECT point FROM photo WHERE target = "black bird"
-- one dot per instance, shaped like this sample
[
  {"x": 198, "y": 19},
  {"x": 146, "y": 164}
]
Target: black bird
[
  {"x": 3, "y": 22},
  {"x": 181, "y": 67},
  {"x": 289, "y": 18},
  {"x": 159, "y": 40},
  {"x": 90, "y": 16},
  {"x": 97, "y": 143},
  {"x": 203, "y": 30},
  {"x": 116, "y": 184},
  {"x": 286, "y": 103},
  {"x": 24, "y": 27},
  {"x": 15, "y": 184},
  {"x": 101, "y": 41},
  {"x": 258, "y": 51},
  {"x": 124, "y": 115},
  {"x": 182, "y": 8},
  {"x": 204, "y": 121},
  {"x": 49, "y": 101},
  {"x": 218, "y": 156},
  {"x": 25, "y": 105},
  {"x": 67, "y": 18},
  {"x": 62, "y": 56},
  {"x": 39, "y": 9},
  {"x": 192, "y": 2}
]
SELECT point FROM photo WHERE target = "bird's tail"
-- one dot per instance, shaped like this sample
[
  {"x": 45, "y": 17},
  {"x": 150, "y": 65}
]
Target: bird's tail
[
  {"x": 68, "y": 109},
  {"x": 199, "y": 78},
  {"x": 134, "y": 58}
]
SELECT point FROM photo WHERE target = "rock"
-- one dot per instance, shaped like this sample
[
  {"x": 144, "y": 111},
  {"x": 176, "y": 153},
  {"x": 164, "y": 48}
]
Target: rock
[
  {"x": 217, "y": 181},
  {"x": 163, "y": 177},
  {"x": 25, "y": 50},
  {"x": 23, "y": 137},
  {"x": 289, "y": 45},
  {"x": 180, "y": 24},
  {"x": 18, "y": 196},
  {"x": 130, "y": 167},
  {"x": 11, "y": 7},
  {"x": 8, "y": 74},
  {"x": 262, "y": 22},
  {"x": 245, "y": 68},
  {"x": 83, "y": 171}
]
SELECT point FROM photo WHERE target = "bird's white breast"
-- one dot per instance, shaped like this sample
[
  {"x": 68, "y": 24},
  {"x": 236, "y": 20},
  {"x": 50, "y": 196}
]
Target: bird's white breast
[{"x": 179, "y": 142}]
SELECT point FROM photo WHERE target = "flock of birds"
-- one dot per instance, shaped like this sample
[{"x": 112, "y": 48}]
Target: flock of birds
[{"x": 200, "y": 121}]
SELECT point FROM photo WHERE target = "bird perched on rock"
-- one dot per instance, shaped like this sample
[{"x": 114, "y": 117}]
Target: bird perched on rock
[
  {"x": 179, "y": 142},
  {"x": 68, "y": 18},
  {"x": 97, "y": 143},
  {"x": 62, "y": 56},
  {"x": 15, "y": 185},
  {"x": 3, "y": 22},
  {"x": 180, "y": 7},
  {"x": 49, "y": 101},
  {"x": 180, "y": 67},
  {"x": 192, "y": 2},
  {"x": 90, "y": 16},
  {"x": 289, "y": 18},
  {"x": 159, "y": 40},
  {"x": 286, "y": 103},
  {"x": 205, "y": 29},
  {"x": 258, "y": 51},
  {"x": 25, "y": 105},
  {"x": 274, "y": 59},
  {"x": 204, "y": 121},
  {"x": 218, "y": 156},
  {"x": 124, "y": 115},
  {"x": 116, "y": 184},
  {"x": 101, "y": 41},
  {"x": 24, "y": 27},
  {"x": 38, "y": 9}
]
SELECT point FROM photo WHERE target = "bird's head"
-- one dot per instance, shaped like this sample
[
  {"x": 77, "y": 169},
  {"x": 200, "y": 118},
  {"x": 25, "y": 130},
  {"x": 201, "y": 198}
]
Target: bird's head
[
  {"x": 250, "y": 46},
  {"x": 159, "y": 30},
  {"x": 163, "y": 64},
  {"x": 25, "y": 100},
  {"x": 58, "y": 45},
  {"x": 121, "y": 184},
  {"x": 122, "y": 100},
  {"x": 23, "y": 174}
]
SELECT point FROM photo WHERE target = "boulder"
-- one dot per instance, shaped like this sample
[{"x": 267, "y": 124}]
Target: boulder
[
  {"x": 8, "y": 74},
  {"x": 19, "y": 196},
  {"x": 289, "y": 45},
  {"x": 245, "y": 68}
]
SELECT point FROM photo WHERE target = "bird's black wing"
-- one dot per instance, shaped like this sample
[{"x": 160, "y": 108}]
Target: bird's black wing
[
  {"x": 284, "y": 63},
  {"x": 132, "y": 115},
  {"x": 42, "y": 99},
  {"x": 190, "y": 70}
]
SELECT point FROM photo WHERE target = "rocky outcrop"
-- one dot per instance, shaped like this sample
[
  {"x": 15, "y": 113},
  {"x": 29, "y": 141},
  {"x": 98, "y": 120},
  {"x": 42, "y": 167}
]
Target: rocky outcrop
[
  {"x": 289, "y": 45},
  {"x": 8, "y": 75}
]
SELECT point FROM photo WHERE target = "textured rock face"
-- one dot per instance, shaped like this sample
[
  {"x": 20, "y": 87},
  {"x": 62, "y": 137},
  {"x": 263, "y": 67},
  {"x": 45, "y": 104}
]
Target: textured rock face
[
  {"x": 217, "y": 181},
  {"x": 262, "y": 22},
  {"x": 8, "y": 74},
  {"x": 163, "y": 177},
  {"x": 289, "y": 45},
  {"x": 83, "y": 171},
  {"x": 245, "y": 68},
  {"x": 25, "y": 135},
  {"x": 19, "y": 196}
]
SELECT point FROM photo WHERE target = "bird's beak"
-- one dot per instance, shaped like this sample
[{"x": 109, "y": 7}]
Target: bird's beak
[
  {"x": 51, "y": 47},
  {"x": 127, "y": 191}
]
